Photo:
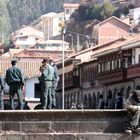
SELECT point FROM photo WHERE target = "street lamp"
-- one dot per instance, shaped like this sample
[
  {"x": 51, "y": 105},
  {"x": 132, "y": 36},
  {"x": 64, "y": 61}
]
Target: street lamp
[{"x": 63, "y": 59}]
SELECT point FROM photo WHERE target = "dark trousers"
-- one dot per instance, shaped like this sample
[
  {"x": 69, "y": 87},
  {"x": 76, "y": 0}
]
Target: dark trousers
[{"x": 15, "y": 88}]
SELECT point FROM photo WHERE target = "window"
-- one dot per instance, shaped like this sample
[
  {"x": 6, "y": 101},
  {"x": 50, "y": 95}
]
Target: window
[
  {"x": 119, "y": 63},
  {"x": 37, "y": 90},
  {"x": 113, "y": 65},
  {"x": 125, "y": 62},
  {"x": 108, "y": 66},
  {"x": 102, "y": 65},
  {"x": 76, "y": 72},
  {"x": 99, "y": 68},
  {"x": 139, "y": 58},
  {"x": 67, "y": 11}
]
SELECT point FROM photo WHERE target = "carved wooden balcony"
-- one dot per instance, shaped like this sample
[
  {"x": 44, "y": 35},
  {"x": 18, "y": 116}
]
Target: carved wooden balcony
[
  {"x": 133, "y": 71},
  {"x": 69, "y": 82},
  {"x": 112, "y": 76}
]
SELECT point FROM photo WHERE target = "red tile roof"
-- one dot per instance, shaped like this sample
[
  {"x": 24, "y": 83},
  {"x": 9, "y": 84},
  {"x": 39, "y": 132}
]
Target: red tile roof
[
  {"x": 36, "y": 54},
  {"x": 127, "y": 41}
]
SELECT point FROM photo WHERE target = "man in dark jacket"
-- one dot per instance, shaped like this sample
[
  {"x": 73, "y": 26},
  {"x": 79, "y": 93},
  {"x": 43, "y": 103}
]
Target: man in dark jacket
[
  {"x": 1, "y": 93},
  {"x": 15, "y": 80},
  {"x": 119, "y": 101},
  {"x": 101, "y": 102}
]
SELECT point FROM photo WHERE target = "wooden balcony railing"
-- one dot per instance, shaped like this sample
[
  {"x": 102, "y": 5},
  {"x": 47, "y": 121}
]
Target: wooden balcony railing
[
  {"x": 133, "y": 71},
  {"x": 69, "y": 82},
  {"x": 112, "y": 76}
]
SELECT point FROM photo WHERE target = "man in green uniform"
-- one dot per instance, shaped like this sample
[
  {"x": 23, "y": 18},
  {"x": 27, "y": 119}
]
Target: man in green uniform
[
  {"x": 15, "y": 80},
  {"x": 54, "y": 83},
  {"x": 46, "y": 81}
]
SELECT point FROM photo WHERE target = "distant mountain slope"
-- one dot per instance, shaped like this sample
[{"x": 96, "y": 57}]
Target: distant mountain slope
[{"x": 25, "y": 11}]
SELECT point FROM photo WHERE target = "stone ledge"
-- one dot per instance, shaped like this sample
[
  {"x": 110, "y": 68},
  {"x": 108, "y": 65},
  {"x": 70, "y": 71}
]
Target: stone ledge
[
  {"x": 63, "y": 121},
  {"x": 60, "y": 115}
]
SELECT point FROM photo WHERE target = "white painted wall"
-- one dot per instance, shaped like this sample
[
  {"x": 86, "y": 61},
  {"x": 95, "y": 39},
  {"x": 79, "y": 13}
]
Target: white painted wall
[
  {"x": 136, "y": 15},
  {"x": 30, "y": 88},
  {"x": 27, "y": 41},
  {"x": 137, "y": 53},
  {"x": 55, "y": 26}
]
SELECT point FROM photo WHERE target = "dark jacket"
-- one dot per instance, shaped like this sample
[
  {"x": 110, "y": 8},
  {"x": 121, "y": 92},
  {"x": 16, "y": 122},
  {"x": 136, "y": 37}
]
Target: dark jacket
[{"x": 119, "y": 102}]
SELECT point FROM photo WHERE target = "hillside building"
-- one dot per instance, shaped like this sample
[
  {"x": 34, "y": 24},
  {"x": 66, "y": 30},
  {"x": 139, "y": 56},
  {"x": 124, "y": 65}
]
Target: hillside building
[{"x": 50, "y": 24}]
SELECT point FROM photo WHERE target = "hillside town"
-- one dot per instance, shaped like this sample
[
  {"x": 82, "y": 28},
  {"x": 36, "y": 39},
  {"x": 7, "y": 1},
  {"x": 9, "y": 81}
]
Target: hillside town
[
  {"x": 98, "y": 63},
  {"x": 106, "y": 67}
]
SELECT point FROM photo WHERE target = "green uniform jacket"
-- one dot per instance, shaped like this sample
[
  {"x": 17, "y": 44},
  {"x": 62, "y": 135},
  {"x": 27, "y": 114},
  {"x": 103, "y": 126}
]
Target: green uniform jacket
[
  {"x": 14, "y": 74},
  {"x": 48, "y": 73}
]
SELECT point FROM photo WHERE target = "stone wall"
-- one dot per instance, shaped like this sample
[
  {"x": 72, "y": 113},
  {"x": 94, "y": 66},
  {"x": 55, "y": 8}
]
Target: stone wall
[{"x": 62, "y": 125}]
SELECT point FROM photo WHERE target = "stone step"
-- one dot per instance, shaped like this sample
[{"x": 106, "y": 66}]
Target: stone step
[{"x": 66, "y": 136}]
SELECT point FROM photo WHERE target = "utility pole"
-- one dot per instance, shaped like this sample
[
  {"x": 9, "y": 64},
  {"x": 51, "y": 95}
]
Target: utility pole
[
  {"x": 78, "y": 45},
  {"x": 63, "y": 70}
]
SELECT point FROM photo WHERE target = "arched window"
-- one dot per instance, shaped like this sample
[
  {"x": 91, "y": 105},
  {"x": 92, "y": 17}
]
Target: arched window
[
  {"x": 67, "y": 102},
  {"x": 137, "y": 87},
  {"x": 114, "y": 93},
  {"x": 85, "y": 101},
  {"x": 98, "y": 94},
  {"x": 128, "y": 92},
  {"x": 94, "y": 100},
  {"x": 89, "y": 101},
  {"x": 110, "y": 102}
]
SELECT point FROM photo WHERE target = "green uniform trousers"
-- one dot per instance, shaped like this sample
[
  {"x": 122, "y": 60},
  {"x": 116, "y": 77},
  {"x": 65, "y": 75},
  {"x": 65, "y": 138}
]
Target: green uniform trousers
[
  {"x": 46, "y": 95},
  {"x": 15, "y": 88}
]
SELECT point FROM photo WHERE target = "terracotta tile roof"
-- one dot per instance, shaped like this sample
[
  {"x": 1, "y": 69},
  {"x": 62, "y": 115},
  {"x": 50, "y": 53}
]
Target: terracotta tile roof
[
  {"x": 33, "y": 53},
  {"x": 127, "y": 41},
  {"x": 113, "y": 17},
  {"x": 36, "y": 53},
  {"x": 30, "y": 68},
  {"x": 12, "y": 52},
  {"x": 29, "y": 31}
]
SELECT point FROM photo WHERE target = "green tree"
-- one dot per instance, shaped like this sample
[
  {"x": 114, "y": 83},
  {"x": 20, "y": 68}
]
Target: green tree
[
  {"x": 4, "y": 20},
  {"x": 102, "y": 11},
  {"x": 96, "y": 12}
]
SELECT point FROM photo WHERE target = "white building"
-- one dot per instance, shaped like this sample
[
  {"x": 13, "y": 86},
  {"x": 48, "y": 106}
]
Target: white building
[
  {"x": 50, "y": 24},
  {"x": 27, "y": 37},
  {"x": 134, "y": 15},
  {"x": 69, "y": 8},
  {"x": 54, "y": 45}
]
